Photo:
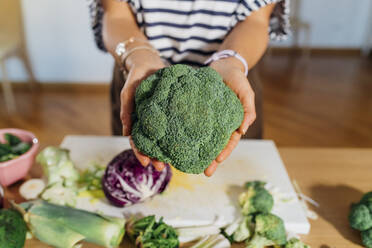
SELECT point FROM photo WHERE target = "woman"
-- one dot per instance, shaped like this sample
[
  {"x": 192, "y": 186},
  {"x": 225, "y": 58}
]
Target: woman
[{"x": 228, "y": 35}]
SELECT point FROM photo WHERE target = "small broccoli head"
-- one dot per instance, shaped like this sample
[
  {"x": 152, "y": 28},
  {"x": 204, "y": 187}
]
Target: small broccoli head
[
  {"x": 295, "y": 243},
  {"x": 367, "y": 238},
  {"x": 360, "y": 217},
  {"x": 185, "y": 116},
  {"x": 269, "y": 230},
  {"x": 256, "y": 199}
]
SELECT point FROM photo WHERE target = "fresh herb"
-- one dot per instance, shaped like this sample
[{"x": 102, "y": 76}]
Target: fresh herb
[
  {"x": 12, "y": 148},
  {"x": 148, "y": 233}
]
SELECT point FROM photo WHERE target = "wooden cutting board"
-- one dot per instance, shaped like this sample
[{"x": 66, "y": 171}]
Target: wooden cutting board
[{"x": 196, "y": 199}]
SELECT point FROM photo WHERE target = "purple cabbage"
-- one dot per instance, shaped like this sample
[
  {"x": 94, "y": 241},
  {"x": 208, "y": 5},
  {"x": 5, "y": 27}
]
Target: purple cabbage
[{"x": 127, "y": 182}]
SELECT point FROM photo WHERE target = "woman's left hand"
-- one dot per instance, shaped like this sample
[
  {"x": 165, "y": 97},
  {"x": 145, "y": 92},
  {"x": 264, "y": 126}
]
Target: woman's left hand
[{"x": 232, "y": 72}]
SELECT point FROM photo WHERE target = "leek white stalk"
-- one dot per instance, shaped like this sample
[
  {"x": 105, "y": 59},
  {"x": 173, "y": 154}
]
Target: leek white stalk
[{"x": 66, "y": 227}]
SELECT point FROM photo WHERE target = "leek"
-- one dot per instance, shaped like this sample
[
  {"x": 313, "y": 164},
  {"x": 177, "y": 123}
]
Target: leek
[{"x": 65, "y": 227}]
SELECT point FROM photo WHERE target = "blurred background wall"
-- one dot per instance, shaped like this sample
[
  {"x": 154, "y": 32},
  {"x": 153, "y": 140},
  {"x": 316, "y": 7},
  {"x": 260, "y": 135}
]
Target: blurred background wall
[{"x": 61, "y": 46}]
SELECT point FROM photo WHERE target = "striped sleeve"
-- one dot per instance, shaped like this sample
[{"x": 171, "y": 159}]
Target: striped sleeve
[
  {"x": 96, "y": 13},
  {"x": 279, "y": 21}
]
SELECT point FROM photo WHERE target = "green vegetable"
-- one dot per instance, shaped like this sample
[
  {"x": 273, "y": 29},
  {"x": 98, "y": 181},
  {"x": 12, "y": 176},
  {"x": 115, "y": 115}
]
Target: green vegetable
[
  {"x": 269, "y": 230},
  {"x": 91, "y": 179},
  {"x": 12, "y": 229},
  {"x": 57, "y": 166},
  {"x": 367, "y": 238},
  {"x": 295, "y": 243},
  {"x": 12, "y": 148},
  {"x": 185, "y": 116},
  {"x": 21, "y": 148},
  {"x": 360, "y": 218},
  {"x": 244, "y": 230},
  {"x": 147, "y": 233},
  {"x": 256, "y": 199},
  {"x": 64, "y": 227},
  {"x": 11, "y": 139},
  {"x": 60, "y": 194}
]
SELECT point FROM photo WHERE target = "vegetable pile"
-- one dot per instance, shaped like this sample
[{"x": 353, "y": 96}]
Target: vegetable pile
[
  {"x": 127, "y": 182},
  {"x": 257, "y": 226},
  {"x": 185, "y": 116},
  {"x": 124, "y": 182},
  {"x": 360, "y": 218},
  {"x": 12, "y": 148}
]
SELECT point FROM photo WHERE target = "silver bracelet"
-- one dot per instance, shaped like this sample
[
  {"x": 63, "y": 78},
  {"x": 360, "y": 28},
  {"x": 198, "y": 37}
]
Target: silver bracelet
[
  {"x": 130, "y": 51},
  {"x": 226, "y": 54}
]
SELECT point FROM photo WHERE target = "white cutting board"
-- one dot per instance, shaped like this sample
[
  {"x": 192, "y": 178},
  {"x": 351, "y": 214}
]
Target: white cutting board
[{"x": 196, "y": 199}]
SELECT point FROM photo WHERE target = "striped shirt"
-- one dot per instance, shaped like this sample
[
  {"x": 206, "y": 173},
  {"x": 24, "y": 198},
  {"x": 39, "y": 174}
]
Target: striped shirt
[{"x": 189, "y": 31}]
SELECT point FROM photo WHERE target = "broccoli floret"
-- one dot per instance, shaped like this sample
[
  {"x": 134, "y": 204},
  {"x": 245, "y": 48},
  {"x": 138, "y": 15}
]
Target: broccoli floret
[
  {"x": 367, "y": 238},
  {"x": 360, "y": 217},
  {"x": 269, "y": 230},
  {"x": 295, "y": 243},
  {"x": 255, "y": 199},
  {"x": 185, "y": 116}
]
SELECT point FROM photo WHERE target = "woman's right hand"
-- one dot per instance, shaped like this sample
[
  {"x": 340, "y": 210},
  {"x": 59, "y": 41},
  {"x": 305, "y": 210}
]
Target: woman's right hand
[{"x": 140, "y": 64}]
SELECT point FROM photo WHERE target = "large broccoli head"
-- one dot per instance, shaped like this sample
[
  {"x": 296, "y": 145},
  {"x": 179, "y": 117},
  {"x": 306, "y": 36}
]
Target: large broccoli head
[
  {"x": 185, "y": 116},
  {"x": 255, "y": 199},
  {"x": 269, "y": 231}
]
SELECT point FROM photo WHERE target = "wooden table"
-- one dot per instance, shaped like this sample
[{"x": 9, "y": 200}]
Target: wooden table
[{"x": 332, "y": 177}]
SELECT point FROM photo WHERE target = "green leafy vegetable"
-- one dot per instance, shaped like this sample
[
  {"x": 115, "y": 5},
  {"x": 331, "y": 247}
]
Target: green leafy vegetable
[
  {"x": 148, "y": 233},
  {"x": 11, "y": 139},
  {"x": 185, "y": 116},
  {"x": 12, "y": 229},
  {"x": 12, "y": 148}
]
